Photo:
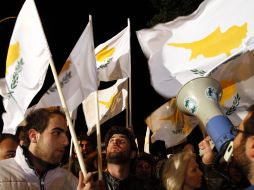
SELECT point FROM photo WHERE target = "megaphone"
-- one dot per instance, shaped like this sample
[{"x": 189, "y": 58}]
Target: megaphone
[{"x": 200, "y": 98}]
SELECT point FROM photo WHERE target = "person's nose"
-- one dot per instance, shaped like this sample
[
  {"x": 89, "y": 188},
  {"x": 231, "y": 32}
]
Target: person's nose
[
  {"x": 114, "y": 141},
  {"x": 84, "y": 147}
]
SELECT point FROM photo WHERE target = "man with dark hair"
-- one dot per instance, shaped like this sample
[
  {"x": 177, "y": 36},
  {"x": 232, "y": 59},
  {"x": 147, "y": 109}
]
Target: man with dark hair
[
  {"x": 243, "y": 153},
  {"x": 243, "y": 156},
  {"x": 21, "y": 134},
  {"x": 120, "y": 149},
  {"x": 37, "y": 165},
  {"x": 8, "y": 146},
  {"x": 87, "y": 149}
]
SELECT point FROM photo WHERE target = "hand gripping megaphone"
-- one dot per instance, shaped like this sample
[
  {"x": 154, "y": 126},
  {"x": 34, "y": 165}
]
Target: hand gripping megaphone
[{"x": 200, "y": 98}]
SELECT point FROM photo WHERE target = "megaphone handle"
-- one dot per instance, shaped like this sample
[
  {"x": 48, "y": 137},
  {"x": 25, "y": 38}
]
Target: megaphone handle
[
  {"x": 218, "y": 128},
  {"x": 229, "y": 151}
]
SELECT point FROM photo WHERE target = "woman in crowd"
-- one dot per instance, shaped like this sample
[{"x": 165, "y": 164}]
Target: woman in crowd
[{"x": 181, "y": 172}]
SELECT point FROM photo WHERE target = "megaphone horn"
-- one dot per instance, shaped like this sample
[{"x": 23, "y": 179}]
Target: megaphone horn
[{"x": 200, "y": 98}]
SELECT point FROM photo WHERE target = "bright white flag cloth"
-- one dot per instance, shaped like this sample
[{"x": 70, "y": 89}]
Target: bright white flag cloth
[
  {"x": 161, "y": 79},
  {"x": 78, "y": 76},
  {"x": 236, "y": 77},
  {"x": 169, "y": 124},
  {"x": 26, "y": 66},
  {"x": 111, "y": 102},
  {"x": 147, "y": 141},
  {"x": 190, "y": 46},
  {"x": 113, "y": 57}
]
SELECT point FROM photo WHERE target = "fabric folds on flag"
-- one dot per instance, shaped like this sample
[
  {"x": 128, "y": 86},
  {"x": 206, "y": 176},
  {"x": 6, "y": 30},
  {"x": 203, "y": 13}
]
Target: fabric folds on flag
[
  {"x": 188, "y": 47},
  {"x": 113, "y": 57},
  {"x": 78, "y": 76},
  {"x": 111, "y": 102},
  {"x": 26, "y": 66},
  {"x": 236, "y": 77},
  {"x": 169, "y": 124},
  {"x": 161, "y": 78}
]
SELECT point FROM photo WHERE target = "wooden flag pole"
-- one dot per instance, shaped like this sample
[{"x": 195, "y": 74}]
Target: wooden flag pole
[
  {"x": 130, "y": 83},
  {"x": 98, "y": 131},
  {"x": 7, "y": 18},
  {"x": 98, "y": 134},
  {"x": 71, "y": 143},
  {"x": 127, "y": 119},
  {"x": 70, "y": 156},
  {"x": 129, "y": 104}
]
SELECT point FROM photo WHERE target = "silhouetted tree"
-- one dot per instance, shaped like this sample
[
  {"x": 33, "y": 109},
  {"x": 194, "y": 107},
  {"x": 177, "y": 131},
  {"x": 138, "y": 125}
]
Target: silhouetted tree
[{"x": 170, "y": 9}]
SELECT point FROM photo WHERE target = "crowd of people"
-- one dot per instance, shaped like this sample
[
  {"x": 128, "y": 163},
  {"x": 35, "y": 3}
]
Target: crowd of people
[{"x": 34, "y": 158}]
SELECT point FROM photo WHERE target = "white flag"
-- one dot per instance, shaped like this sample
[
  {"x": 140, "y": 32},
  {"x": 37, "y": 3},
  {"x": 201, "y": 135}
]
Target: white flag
[
  {"x": 26, "y": 66},
  {"x": 169, "y": 124},
  {"x": 161, "y": 79},
  {"x": 190, "y": 46},
  {"x": 151, "y": 41},
  {"x": 78, "y": 76},
  {"x": 111, "y": 102},
  {"x": 113, "y": 57},
  {"x": 236, "y": 77}
]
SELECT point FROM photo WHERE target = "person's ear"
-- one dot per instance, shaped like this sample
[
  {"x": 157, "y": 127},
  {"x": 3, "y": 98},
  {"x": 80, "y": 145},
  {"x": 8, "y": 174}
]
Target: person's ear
[{"x": 32, "y": 133}]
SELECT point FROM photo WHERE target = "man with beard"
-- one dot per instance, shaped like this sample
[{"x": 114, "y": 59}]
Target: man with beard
[
  {"x": 120, "y": 150},
  {"x": 219, "y": 175},
  {"x": 243, "y": 153},
  {"x": 37, "y": 165}
]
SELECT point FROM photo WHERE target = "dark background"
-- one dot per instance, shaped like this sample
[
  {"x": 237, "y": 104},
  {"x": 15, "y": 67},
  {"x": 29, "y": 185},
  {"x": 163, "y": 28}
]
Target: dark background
[{"x": 64, "y": 21}]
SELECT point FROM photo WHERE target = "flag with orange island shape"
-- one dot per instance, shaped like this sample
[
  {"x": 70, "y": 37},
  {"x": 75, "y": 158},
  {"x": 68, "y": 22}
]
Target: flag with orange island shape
[
  {"x": 111, "y": 101},
  {"x": 113, "y": 57},
  {"x": 169, "y": 124},
  {"x": 236, "y": 77},
  {"x": 191, "y": 46},
  {"x": 26, "y": 66},
  {"x": 216, "y": 43},
  {"x": 78, "y": 76}
]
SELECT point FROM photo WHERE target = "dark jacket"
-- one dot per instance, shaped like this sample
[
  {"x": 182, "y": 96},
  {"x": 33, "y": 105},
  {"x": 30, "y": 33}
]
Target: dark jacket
[
  {"x": 250, "y": 188},
  {"x": 130, "y": 183},
  {"x": 216, "y": 179}
]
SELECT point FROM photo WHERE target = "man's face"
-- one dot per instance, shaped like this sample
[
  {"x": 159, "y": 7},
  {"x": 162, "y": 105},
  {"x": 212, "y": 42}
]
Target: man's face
[
  {"x": 241, "y": 150},
  {"x": 52, "y": 142},
  {"x": 143, "y": 170},
  {"x": 85, "y": 147},
  {"x": 239, "y": 137},
  {"x": 8, "y": 148},
  {"x": 118, "y": 149}
]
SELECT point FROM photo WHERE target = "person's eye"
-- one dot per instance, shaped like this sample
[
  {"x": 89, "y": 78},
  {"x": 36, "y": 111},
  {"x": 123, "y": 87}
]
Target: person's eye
[{"x": 57, "y": 132}]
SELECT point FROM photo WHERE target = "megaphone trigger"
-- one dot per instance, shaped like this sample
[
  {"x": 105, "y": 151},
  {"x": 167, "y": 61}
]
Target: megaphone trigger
[{"x": 229, "y": 152}]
